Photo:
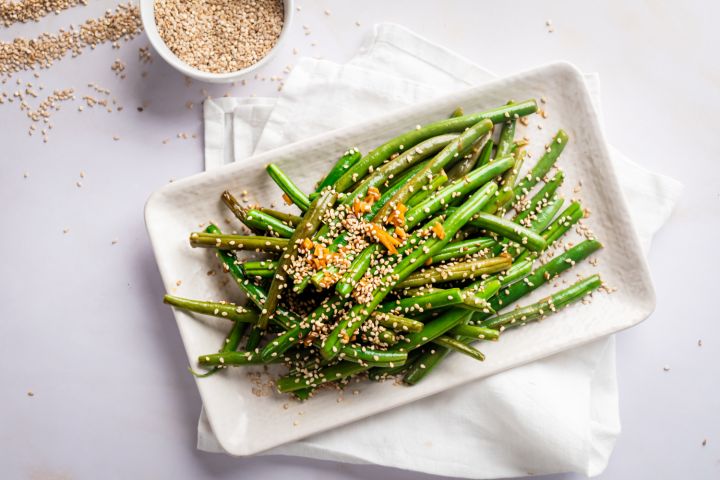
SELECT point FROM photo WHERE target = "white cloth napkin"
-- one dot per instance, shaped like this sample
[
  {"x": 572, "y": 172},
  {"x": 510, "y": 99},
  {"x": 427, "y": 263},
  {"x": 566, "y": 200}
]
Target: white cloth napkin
[{"x": 559, "y": 414}]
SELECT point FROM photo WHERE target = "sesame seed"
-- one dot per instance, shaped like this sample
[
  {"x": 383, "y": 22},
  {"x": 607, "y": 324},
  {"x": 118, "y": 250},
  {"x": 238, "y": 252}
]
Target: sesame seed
[{"x": 189, "y": 28}]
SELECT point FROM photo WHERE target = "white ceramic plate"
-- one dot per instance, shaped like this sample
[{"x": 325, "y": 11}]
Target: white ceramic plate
[{"x": 247, "y": 421}]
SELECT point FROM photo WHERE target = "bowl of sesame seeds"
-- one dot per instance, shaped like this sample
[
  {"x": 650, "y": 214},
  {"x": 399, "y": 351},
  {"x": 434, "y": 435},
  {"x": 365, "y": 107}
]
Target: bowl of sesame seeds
[{"x": 216, "y": 40}]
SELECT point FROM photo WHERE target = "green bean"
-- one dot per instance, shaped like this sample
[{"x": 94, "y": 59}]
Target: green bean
[
  {"x": 432, "y": 330},
  {"x": 303, "y": 393},
  {"x": 359, "y": 266},
  {"x": 543, "y": 166},
  {"x": 256, "y": 294},
  {"x": 451, "y": 251},
  {"x": 506, "y": 193},
  {"x": 232, "y": 358},
  {"x": 299, "y": 332},
  {"x": 457, "y": 271},
  {"x": 542, "y": 274},
  {"x": 230, "y": 344},
  {"x": 228, "y": 311},
  {"x": 388, "y": 338},
  {"x": 373, "y": 357},
  {"x": 318, "y": 278},
  {"x": 469, "y": 161},
  {"x": 259, "y": 274},
  {"x": 397, "y": 323},
  {"x": 518, "y": 271},
  {"x": 486, "y": 289},
  {"x": 351, "y": 321},
  {"x": 426, "y": 363},
  {"x": 485, "y": 154},
  {"x": 458, "y": 112},
  {"x": 287, "y": 218},
  {"x": 362, "y": 261},
  {"x": 267, "y": 264},
  {"x": 507, "y": 136},
  {"x": 475, "y": 332},
  {"x": 438, "y": 181},
  {"x": 399, "y": 165},
  {"x": 538, "y": 224},
  {"x": 377, "y": 374},
  {"x": 477, "y": 300},
  {"x": 438, "y": 298},
  {"x": 458, "y": 346},
  {"x": 544, "y": 217},
  {"x": 547, "y": 306},
  {"x": 510, "y": 230},
  {"x": 254, "y": 338},
  {"x": 569, "y": 217},
  {"x": 462, "y": 248},
  {"x": 263, "y": 222},
  {"x": 292, "y": 191},
  {"x": 544, "y": 194},
  {"x": 480, "y": 291},
  {"x": 311, "y": 220},
  {"x": 347, "y": 160},
  {"x": 237, "y": 209},
  {"x": 457, "y": 189},
  {"x": 339, "y": 371},
  {"x": 238, "y": 242},
  {"x": 453, "y": 149},
  {"x": 413, "y": 137},
  {"x": 452, "y": 224}
]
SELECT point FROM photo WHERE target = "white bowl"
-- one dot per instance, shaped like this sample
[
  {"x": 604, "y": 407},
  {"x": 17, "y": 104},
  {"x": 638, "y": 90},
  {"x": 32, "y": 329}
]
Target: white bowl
[{"x": 148, "y": 19}]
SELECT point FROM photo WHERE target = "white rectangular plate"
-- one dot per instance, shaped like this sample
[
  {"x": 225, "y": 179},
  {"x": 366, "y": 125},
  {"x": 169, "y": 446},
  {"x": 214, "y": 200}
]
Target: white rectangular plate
[{"x": 246, "y": 415}]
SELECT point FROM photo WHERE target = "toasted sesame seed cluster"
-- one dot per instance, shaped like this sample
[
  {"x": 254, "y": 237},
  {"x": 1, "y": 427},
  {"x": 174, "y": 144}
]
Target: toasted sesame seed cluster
[
  {"x": 219, "y": 36},
  {"x": 399, "y": 256},
  {"x": 25, "y": 54},
  {"x": 27, "y": 10}
]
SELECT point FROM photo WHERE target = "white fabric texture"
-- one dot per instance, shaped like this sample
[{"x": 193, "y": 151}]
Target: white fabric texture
[{"x": 559, "y": 414}]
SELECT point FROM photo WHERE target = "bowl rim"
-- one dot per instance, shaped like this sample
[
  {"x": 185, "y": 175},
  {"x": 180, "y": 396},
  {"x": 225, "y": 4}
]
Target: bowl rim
[{"x": 147, "y": 16}]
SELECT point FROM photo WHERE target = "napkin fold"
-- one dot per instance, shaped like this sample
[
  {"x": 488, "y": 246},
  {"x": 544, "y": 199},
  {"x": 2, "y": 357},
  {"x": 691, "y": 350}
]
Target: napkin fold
[{"x": 559, "y": 414}]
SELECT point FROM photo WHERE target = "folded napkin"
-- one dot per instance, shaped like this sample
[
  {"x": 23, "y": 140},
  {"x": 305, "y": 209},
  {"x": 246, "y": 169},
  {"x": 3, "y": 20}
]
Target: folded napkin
[{"x": 559, "y": 414}]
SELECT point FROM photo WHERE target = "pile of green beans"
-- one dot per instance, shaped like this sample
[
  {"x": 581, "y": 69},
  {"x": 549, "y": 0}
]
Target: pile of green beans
[{"x": 397, "y": 257}]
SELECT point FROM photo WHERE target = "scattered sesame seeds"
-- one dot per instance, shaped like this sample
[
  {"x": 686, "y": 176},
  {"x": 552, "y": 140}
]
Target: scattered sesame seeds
[
  {"x": 666, "y": 368},
  {"x": 144, "y": 54},
  {"x": 27, "y": 10},
  {"x": 118, "y": 67},
  {"x": 30, "y": 393},
  {"x": 23, "y": 54}
]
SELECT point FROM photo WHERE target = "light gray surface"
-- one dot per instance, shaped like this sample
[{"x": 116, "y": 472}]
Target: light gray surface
[{"x": 82, "y": 326}]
